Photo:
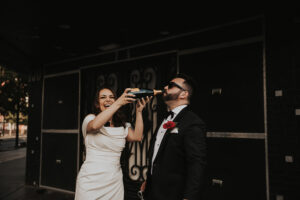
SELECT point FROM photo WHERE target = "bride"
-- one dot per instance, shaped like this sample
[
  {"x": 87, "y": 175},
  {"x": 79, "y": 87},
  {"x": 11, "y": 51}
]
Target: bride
[{"x": 100, "y": 176}]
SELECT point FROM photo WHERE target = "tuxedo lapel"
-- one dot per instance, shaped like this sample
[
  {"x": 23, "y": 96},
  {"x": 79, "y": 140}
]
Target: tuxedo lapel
[
  {"x": 167, "y": 134},
  {"x": 152, "y": 141}
]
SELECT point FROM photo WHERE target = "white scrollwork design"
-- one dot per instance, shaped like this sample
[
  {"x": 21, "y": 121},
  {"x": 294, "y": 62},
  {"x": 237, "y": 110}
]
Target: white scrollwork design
[
  {"x": 145, "y": 78},
  {"x": 112, "y": 81},
  {"x": 149, "y": 78},
  {"x": 135, "y": 77},
  {"x": 135, "y": 173},
  {"x": 100, "y": 81},
  {"x": 144, "y": 172}
]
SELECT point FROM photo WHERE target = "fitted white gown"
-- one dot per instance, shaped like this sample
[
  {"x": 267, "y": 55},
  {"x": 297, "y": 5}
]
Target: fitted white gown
[{"x": 100, "y": 176}]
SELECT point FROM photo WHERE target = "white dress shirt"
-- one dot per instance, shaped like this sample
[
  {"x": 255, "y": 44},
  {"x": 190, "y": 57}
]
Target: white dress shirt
[{"x": 161, "y": 131}]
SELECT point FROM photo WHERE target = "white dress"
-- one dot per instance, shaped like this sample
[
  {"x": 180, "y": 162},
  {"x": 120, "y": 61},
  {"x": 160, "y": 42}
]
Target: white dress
[{"x": 100, "y": 176}]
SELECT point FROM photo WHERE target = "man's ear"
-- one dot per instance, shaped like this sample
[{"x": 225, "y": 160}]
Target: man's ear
[{"x": 184, "y": 95}]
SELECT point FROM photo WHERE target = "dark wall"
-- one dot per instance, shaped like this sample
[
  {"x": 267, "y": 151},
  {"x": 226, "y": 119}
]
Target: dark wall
[
  {"x": 229, "y": 98},
  {"x": 230, "y": 57},
  {"x": 34, "y": 133},
  {"x": 230, "y": 87},
  {"x": 236, "y": 169},
  {"x": 61, "y": 102},
  {"x": 59, "y": 160},
  {"x": 283, "y": 70},
  {"x": 59, "y": 147}
]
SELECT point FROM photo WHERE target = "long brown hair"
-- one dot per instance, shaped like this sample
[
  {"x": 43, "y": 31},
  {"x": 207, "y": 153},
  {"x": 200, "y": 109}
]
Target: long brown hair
[{"x": 119, "y": 118}]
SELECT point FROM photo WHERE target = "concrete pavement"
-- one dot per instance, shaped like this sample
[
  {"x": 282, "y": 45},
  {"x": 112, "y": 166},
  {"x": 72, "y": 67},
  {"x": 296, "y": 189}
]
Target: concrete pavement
[
  {"x": 14, "y": 154},
  {"x": 12, "y": 178}
]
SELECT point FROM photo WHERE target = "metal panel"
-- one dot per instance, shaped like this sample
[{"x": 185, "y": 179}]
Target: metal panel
[
  {"x": 230, "y": 87},
  {"x": 60, "y": 106},
  {"x": 236, "y": 135},
  {"x": 212, "y": 68},
  {"x": 235, "y": 169},
  {"x": 59, "y": 161},
  {"x": 34, "y": 134},
  {"x": 60, "y": 127}
]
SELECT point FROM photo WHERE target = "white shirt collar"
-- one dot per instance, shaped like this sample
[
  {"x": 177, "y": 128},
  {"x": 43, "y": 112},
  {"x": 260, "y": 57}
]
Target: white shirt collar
[{"x": 178, "y": 109}]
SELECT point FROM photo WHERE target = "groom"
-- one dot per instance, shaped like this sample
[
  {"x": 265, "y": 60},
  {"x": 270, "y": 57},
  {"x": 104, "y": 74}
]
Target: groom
[{"x": 177, "y": 149}]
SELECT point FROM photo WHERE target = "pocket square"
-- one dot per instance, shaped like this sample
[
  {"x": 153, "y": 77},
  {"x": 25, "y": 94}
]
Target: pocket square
[{"x": 174, "y": 130}]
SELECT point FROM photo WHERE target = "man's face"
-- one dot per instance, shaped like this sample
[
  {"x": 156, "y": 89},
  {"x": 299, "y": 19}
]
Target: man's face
[{"x": 173, "y": 89}]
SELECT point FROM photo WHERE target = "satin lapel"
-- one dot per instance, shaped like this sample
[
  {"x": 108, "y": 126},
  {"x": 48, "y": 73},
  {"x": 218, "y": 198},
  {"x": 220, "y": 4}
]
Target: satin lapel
[
  {"x": 166, "y": 136},
  {"x": 152, "y": 142}
]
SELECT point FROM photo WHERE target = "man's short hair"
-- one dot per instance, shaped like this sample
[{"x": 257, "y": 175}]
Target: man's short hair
[{"x": 189, "y": 83}]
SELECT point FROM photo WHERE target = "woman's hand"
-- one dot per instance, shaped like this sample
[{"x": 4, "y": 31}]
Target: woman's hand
[
  {"x": 126, "y": 98},
  {"x": 141, "y": 103}
]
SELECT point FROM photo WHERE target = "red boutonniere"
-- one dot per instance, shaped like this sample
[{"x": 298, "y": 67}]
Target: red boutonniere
[{"x": 169, "y": 125}]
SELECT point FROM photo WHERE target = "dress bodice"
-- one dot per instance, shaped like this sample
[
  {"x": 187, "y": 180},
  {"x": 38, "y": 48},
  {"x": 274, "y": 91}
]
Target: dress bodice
[{"x": 106, "y": 144}]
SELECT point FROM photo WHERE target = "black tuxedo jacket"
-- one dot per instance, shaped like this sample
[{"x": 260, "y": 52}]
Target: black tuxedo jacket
[{"x": 178, "y": 169}]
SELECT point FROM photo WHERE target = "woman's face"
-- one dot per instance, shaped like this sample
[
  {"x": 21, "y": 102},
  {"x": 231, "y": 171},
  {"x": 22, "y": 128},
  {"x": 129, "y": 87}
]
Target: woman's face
[{"x": 106, "y": 99}]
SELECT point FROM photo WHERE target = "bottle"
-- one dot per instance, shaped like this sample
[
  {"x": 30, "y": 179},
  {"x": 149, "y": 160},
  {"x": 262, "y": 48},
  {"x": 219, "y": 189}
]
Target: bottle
[{"x": 139, "y": 93}]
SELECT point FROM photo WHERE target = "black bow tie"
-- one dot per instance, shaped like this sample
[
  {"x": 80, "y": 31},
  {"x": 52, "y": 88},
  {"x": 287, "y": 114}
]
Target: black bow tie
[{"x": 166, "y": 114}]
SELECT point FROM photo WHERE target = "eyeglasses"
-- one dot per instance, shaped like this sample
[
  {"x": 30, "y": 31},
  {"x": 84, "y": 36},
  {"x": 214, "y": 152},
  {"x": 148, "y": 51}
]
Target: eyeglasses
[{"x": 173, "y": 84}]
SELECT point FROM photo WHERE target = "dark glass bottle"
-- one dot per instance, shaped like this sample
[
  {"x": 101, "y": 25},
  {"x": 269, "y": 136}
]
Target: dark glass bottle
[{"x": 140, "y": 93}]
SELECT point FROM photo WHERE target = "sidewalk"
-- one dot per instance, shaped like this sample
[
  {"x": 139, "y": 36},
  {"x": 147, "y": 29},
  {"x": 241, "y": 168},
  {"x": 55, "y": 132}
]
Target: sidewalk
[
  {"x": 8, "y": 143},
  {"x": 12, "y": 176}
]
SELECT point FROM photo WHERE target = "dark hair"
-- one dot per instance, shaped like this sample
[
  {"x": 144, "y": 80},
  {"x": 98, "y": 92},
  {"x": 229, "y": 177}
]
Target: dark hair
[
  {"x": 119, "y": 118},
  {"x": 189, "y": 83}
]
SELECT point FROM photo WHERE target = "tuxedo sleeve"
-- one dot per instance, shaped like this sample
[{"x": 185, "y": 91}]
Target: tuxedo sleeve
[{"x": 195, "y": 158}]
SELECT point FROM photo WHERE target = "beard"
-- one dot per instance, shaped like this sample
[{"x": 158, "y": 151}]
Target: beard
[{"x": 169, "y": 97}]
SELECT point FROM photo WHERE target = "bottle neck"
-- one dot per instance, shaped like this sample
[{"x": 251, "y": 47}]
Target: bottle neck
[{"x": 156, "y": 92}]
